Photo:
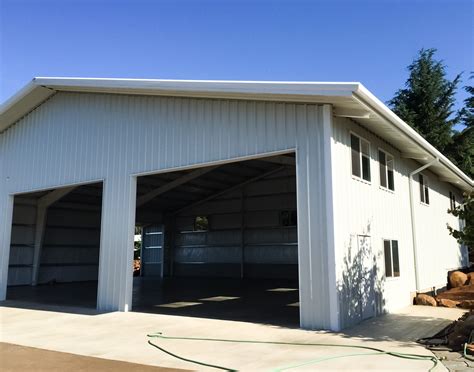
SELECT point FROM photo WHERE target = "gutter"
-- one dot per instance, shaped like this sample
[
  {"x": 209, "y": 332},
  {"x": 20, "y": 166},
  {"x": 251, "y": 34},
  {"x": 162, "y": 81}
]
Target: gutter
[{"x": 413, "y": 221}]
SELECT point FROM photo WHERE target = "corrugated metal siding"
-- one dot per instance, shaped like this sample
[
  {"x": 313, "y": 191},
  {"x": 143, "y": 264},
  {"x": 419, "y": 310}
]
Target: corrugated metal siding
[
  {"x": 271, "y": 249},
  {"x": 22, "y": 244},
  {"x": 77, "y": 137},
  {"x": 363, "y": 209},
  {"x": 71, "y": 244}
]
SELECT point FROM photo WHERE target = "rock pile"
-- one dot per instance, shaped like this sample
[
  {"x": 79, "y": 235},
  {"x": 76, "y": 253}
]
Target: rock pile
[{"x": 460, "y": 295}]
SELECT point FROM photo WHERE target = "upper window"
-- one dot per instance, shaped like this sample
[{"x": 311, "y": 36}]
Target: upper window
[
  {"x": 424, "y": 189},
  {"x": 360, "y": 150},
  {"x": 452, "y": 201},
  {"x": 386, "y": 170},
  {"x": 392, "y": 263}
]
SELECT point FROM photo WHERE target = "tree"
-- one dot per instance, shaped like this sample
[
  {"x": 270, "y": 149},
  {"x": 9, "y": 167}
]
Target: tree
[
  {"x": 426, "y": 103},
  {"x": 465, "y": 212},
  {"x": 461, "y": 151}
]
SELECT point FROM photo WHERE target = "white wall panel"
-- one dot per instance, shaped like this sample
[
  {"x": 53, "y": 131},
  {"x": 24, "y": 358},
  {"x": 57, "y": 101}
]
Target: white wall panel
[
  {"x": 363, "y": 208},
  {"x": 76, "y": 138}
]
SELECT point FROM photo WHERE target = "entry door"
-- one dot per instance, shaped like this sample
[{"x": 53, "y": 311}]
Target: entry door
[
  {"x": 369, "y": 277},
  {"x": 152, "y": 251}
]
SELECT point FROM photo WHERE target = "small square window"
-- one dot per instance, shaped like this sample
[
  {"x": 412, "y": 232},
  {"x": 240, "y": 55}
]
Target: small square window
[
  {"x": 201, "y": 223},
  {"x": 392, "y": 262},
  {"x": 288, "y": 218},
  {"x": 360, "y": 157}
]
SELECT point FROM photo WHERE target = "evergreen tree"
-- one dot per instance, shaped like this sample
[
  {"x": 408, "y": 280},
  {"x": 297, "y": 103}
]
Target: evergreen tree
[
  {"x": 461, "y": 151},
  {"x": 426, "y": 102}
]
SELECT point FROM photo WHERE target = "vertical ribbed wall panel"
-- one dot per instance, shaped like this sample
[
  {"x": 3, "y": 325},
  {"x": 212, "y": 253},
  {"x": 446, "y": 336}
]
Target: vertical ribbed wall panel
[
  {"x": 366, "y": 209},
  {"x": 313, "y": 165},
  {"x": 78, "y": 137}
]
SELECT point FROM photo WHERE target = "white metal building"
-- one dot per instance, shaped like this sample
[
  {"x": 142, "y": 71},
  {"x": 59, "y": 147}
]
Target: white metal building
[{"x": 318, "y": 182}]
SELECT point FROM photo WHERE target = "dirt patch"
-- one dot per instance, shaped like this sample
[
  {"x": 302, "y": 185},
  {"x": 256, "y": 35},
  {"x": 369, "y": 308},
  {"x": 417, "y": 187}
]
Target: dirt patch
[
  {"x": 22, "y": 358},
  {"x": 463, "y": 293}
]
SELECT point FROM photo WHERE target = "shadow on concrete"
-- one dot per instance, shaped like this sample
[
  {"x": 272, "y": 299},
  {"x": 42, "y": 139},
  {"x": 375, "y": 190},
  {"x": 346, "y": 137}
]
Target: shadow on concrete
[
  {"x": 73, "y": 298},
  {"x": 271, "y": 302},
  {"x": 404, "y": 328}
]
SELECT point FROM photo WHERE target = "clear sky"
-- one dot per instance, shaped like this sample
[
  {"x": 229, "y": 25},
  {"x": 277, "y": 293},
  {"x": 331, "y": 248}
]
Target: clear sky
[{"x": 359, "y": 40}]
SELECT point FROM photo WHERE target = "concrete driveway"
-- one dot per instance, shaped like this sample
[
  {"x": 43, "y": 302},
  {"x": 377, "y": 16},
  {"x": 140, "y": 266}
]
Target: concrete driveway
[{"x": 122, "y": 336}]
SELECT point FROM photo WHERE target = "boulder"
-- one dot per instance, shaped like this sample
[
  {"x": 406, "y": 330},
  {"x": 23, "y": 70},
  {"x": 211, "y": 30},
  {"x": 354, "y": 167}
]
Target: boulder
[
  {"x": 467, "y": 304},
  {"x": 457, "y": 279},
  {"x": 444, "y": 302},
  {"x": 470, "y": 278},
  {"x": 425, "y": 300}
]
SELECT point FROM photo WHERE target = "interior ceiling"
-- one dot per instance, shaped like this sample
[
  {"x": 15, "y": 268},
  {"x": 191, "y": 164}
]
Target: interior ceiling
[{"x": 214, "y": 180}]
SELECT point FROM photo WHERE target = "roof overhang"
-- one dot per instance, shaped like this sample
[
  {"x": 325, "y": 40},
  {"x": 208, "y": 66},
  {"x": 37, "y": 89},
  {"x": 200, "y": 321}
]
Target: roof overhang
[{"x": 351, "y": 100}]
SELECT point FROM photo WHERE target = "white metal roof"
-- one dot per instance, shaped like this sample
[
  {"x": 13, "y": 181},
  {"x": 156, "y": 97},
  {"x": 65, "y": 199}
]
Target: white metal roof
[{"x": 348, "y": 99}]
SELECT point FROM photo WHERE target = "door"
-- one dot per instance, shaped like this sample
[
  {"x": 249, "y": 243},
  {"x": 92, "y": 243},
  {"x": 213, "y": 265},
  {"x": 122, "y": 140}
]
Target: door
[
  {"x": 368, "y": 279},
  {"x": 152, "y": 251}
]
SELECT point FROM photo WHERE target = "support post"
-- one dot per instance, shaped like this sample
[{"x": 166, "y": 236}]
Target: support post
[
  {"x": 6, "y": 217},
  {"x": 116, "y": 244},
  {"x": 319, "y": 306},
  {"x": 38, "y": 246},
  {"x": 41, "y": 214}
]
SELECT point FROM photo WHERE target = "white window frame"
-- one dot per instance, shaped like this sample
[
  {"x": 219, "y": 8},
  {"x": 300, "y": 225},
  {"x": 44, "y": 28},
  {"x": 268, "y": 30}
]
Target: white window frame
[
  {"x": 386, "y": 169},
  {"x": 391, "y": 277},
  {"x": 426, "y": 187},
  {"x": 361, "y": 178}
]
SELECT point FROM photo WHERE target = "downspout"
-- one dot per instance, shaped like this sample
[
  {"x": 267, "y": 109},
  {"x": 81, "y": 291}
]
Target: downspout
[{"x": 413, "y": 222}]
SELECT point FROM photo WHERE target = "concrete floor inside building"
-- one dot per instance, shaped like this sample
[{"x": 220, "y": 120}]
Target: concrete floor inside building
[{"x": 248, "y": 300}]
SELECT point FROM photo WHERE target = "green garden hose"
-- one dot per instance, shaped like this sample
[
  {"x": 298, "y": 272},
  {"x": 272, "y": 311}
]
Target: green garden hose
[
  {"x": 469, "y": 341},
  {"x": 375, "y": 351}
]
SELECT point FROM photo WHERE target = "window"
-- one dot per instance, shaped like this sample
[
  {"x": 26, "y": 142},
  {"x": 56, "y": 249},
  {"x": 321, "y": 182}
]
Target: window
[
  {"x": 452, "y": 201},
  {"x": 288, "y": 218},
  {"x": 201, "y": 223},
  {"x": 392, "y": 263},
  {"x": 424, "y": 189},
  {"x": 360, "y": 153},
  {"x": 386, "y": 170}
]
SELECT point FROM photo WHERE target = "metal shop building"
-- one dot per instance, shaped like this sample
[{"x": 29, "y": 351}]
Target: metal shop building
[{"x": 286, "y": 203}]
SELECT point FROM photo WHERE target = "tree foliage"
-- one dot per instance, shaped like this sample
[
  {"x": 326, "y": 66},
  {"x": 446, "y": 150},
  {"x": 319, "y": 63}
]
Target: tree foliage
[
  {"x": 426, "y": 103},
  {"x": 461, "y": 151},
  {"x": 465, "y": 212}
]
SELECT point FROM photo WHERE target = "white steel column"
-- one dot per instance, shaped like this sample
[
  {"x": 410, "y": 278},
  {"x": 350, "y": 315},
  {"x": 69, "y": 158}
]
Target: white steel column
[
  {"x": 116, "y": 244},
  {"x": 316, "y": 257},
  {"x": 6, "y": 217}
]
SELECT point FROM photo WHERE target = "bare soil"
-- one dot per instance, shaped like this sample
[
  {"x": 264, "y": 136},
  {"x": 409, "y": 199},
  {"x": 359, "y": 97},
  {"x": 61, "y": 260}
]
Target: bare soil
[{"x": 21, "y": 358}]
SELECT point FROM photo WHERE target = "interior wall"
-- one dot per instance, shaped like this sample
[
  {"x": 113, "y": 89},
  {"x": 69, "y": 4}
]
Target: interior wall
[
  {"x": 22, "y": 244},
  {"x": 268, "y": 249},
  {"x": 71, "y": 245},
  {"x": 70, "y": 248}
]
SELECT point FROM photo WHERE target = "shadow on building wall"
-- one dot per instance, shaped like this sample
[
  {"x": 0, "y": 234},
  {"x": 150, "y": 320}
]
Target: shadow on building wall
[{"x": 360, "y": 289}]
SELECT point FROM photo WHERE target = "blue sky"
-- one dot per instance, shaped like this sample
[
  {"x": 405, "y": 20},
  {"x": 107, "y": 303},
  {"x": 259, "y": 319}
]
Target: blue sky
[{"x": 367, "y": 41}]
